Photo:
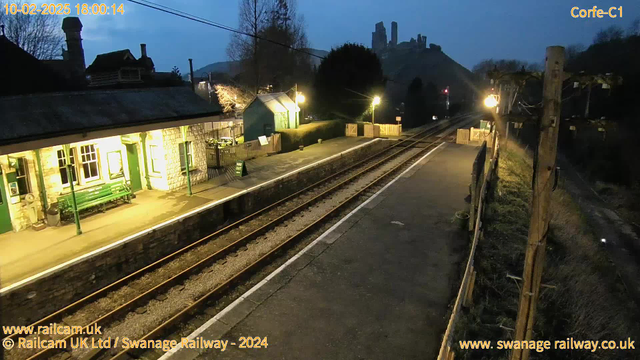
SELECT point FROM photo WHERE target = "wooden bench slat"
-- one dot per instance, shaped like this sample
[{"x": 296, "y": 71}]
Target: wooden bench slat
[{"x": 97, "y": 195}]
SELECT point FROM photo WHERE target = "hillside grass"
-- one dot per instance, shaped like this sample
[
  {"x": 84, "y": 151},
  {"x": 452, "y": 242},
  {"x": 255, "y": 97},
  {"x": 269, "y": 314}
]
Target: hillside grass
[{"x": 589, "y": 301}]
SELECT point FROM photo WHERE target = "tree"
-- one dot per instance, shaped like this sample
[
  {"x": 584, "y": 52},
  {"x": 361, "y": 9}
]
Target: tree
[
  {"x": 415, "y": 105},
  {"x": 611, "y": 33},
  {"x": 346, "y": 80},
  {"x": 39, "y": 35},
  {"x": 281, "y": 65},
  {"x": 252, "y": 18},
  {"x": 634, "y": 28},
  {"x": 232, "y": 98},
  {"x": 266, "y": 57},
  {"x": 504, "y": 65},
  {"x": 175, "y": 71},
  {"x": 572, "y": 51},
  {"x": 432, "y": 100}
]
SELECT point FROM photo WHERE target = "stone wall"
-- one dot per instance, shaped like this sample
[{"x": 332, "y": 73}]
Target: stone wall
[
  {"x": 34, "y": 300},
  {"x": 171, "y": 138}
]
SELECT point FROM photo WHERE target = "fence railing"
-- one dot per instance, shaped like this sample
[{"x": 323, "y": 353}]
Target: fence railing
[{"x": 480, "y": 181}]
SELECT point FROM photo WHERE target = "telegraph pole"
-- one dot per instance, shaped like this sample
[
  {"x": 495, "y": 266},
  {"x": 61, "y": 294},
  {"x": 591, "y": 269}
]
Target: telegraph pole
[{"x": 542, "y": 186}]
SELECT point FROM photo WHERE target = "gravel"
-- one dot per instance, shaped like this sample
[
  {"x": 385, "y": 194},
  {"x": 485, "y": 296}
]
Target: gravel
[{"x": 142, "y": 320}]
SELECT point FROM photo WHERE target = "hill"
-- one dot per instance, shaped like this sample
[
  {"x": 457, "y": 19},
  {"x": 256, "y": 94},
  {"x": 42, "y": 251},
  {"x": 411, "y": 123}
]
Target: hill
[
  {"x": 230, "y": 68},
  {"x": 431, "y": 65}
]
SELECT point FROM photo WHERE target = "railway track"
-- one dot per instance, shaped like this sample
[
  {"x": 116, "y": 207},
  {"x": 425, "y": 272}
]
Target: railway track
[{"x": 231, "y": 242}]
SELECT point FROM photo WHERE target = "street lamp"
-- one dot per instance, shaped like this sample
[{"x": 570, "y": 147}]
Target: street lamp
[
  {"x": 491, "y": 101},
  {"x": 376, "y": 101},
  {"x": 299, "y": 100}
]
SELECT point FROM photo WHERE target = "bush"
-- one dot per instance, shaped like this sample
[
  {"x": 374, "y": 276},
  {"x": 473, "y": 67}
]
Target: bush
[{"x": 309, "y": 134}]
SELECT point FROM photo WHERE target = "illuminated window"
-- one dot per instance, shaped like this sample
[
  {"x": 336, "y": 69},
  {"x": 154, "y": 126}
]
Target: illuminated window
[
  {"x": 62, "y": 162},
  {"x": 183, "y": 166},
  {"x": 154, "y": 154},
  {"x": 89, "y": 158},
  {"x": 114, "y": 160}
]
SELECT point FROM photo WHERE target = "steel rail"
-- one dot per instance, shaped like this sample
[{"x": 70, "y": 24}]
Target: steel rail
[
  {"x": 103, "y": 320},
  {"x": 247, "y": 271},
  {"x": 138, "y": 273}
]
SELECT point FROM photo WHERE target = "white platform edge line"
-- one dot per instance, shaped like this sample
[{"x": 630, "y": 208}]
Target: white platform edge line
[
  {"x": 170, "y": 221},
  {"x": 230, "y": 307}
]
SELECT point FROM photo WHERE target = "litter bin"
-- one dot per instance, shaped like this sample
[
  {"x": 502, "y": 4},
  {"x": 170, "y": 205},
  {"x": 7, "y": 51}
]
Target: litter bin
[{"x": 53, "y": 216}]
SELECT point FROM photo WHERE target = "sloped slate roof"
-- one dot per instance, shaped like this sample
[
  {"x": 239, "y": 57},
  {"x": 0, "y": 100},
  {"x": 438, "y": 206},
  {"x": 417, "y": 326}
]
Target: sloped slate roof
[
  {"x": 22, "y": 73},
  {"x": 114, "y": 60},
  {"x": 41, "y": 116},
  {"x": 277, "y": 102}
]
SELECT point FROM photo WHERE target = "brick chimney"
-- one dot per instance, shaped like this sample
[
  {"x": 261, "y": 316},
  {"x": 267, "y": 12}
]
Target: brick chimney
[
  {"x": 143, "y": 50},
  {"x": 72, "y": 28}
]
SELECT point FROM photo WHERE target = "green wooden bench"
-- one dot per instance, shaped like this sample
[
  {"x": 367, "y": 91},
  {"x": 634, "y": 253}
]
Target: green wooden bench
[{"x": 94, "y": 196}]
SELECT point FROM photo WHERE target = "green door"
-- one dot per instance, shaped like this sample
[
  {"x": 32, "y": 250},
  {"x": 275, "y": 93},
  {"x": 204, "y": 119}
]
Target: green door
[
  {"x": 5, "y": 218},
  {"x": 134, "y": 167}
]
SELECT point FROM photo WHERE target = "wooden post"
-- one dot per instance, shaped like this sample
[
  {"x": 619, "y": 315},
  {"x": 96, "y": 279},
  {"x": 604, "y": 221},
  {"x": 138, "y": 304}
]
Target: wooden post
[
  {"x": 506, "y": 142},
  {"x": 586, "y": 108},
  {"x": 541, "y": 198},
  {"x": 468, "y": 297}
]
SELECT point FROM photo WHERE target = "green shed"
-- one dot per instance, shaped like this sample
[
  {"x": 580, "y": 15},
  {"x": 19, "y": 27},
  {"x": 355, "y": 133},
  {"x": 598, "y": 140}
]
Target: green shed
[{"x": 267, "y": 114}]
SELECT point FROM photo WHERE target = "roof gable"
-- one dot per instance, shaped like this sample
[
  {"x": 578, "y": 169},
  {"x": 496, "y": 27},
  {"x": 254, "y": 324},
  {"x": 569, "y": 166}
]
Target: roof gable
[
  {"x": 33, "y": 75},
  {"x": 113, "y": 61},
  {"x": 277, "y": 102}
]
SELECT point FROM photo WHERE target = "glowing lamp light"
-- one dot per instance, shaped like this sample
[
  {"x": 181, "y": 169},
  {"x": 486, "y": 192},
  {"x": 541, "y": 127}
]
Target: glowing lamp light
[
  {"x": 603, "y": 240},
  {"x": 491, "y": 101},
  {"x": 376, "y": 101},
  {"x": 300, "y": 98}
]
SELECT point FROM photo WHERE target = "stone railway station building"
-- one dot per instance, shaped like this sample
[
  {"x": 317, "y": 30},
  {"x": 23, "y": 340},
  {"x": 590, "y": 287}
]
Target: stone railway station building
[{"x": 130, "y": 135}]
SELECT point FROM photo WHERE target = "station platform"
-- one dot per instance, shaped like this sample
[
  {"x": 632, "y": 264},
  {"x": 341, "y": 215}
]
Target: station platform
[
  {"x": 377, "y": 285},
  {"x": 28, "y": 253}
]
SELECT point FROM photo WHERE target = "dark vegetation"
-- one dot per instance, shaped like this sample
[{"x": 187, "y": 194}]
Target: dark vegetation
[
  {"x": 346, "y": 81},
  {"x": 309, "y": 134},
  {"x": 604, "y": 145},
  {"x": 609, "y": 155},
  {"x": 589, "y": 301},
  {"x": 421, "y": 103},
  {"x": 266, "y": 66}
]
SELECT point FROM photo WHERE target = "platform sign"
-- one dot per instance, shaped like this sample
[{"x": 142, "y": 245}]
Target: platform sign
[
  {"x": 398, "y": 118},
  {"x": 241, "y": 168}
]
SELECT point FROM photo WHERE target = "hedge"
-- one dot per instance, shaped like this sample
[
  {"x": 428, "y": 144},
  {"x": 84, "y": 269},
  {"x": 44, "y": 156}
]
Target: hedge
[{"x": 309, "y": 134}]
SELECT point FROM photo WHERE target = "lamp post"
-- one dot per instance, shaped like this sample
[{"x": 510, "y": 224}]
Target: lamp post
[
  {"x": 299, "y": 99},
  {"x": 376, "y": 101}
]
